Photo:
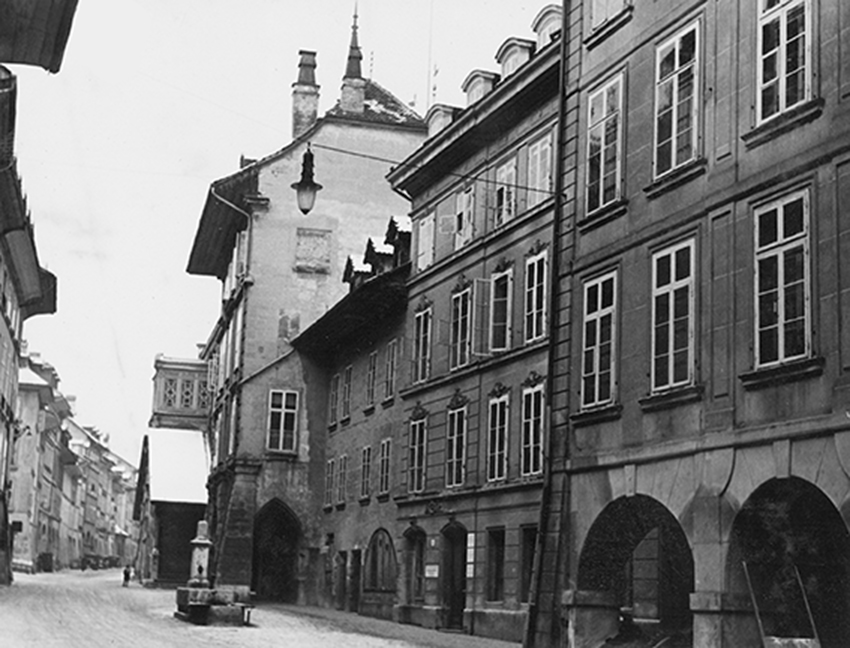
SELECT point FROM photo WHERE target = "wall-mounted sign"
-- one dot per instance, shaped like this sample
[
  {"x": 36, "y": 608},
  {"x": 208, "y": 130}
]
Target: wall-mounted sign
[{"x": 432, "y": 571}]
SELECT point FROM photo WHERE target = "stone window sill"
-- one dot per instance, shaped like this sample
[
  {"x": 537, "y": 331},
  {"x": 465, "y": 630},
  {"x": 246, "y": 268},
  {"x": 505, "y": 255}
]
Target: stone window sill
[
  {"x": 671, "y": 398},
  {"x": 388, "y": 402},
  {"x": 603, "y": 215},
  {"x": 280, "y": 455},
  {"x": 383, "y": 497},
  {"x": 784, "y": 373},
  {"x": 679, "y": 176},
  {"x": 608, "y": 27},
  {"x": 368, "y": 410},
  {"x": 598, "y": 415},
  {"x": 783, "y": 123},
  {"x": 364, "y": 501},
  {"x": 340, "y": 506}
]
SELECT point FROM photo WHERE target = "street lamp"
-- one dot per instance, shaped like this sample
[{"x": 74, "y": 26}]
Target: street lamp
[{"x": 306, "y": 189}]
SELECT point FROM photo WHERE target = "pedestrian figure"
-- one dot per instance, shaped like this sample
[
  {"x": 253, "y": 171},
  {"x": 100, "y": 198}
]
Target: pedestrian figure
[{"x": 126, "y": 576}]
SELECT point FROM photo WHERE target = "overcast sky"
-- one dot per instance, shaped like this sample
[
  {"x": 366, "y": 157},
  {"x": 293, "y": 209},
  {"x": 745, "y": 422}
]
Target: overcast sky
[{"x": 155, "y": 100}]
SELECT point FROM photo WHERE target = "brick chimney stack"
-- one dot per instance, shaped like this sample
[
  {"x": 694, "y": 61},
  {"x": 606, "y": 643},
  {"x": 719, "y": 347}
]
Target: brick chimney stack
[
  {"x": 305, "y": 95},
  {"x": 353, "y": 84}
]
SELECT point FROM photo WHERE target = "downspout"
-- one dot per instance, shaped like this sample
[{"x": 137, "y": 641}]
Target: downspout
[{"x": 546, "y": 494}]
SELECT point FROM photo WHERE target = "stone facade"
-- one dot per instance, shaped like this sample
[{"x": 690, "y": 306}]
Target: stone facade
[
  {"x": 281, "y": 270},
  {"x": 707, "y": 461}
]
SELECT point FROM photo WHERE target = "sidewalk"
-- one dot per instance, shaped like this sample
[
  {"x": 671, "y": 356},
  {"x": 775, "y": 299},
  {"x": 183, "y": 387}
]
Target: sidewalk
[{"x": 352, "y": 622}]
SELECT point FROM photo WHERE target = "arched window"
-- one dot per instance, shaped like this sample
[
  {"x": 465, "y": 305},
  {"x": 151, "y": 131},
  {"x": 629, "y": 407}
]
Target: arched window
[{"x": 380, "y": 563}]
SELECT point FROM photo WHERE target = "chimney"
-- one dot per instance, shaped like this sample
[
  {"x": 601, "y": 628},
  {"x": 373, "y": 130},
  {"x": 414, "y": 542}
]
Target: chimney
[
  {"x": 353, "y": 84},
  {"x": 305, "y": 95}
]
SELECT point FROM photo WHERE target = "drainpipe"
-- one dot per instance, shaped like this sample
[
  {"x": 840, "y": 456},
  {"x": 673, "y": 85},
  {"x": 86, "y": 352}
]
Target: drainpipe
[{"x": 546, "y": 494}]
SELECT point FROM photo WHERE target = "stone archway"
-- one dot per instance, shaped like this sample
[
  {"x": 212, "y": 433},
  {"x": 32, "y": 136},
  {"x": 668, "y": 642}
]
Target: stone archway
[
  {"x": 277, "y": 540},
  {"x": 785, "y": 528},
  {"x": 637, "y": 560}
]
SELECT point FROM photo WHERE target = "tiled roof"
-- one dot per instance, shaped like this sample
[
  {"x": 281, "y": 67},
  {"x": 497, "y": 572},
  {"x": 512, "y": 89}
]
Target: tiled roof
[{"x": 381, "y": 107}]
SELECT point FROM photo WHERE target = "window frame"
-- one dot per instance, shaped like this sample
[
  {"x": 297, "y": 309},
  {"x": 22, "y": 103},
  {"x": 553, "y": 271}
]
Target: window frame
[
  {"x": 766, "y": 16},
  {"x": 417, "y": 453},
  {"x": 616, "y": 80},
  {"x": 539, "y": 183},
  {"x": 608, "y": 12},
  {"x": 596, "y": 317},
  {"x": 346, "y": 392},
  {"x": 464, "y": 217},
  {"x": 495, "y": 584},
  {"x": 283, "y": 411},
  {"x": 456, "y": 438},
  {"x": 333, "y": 399},
  {"x": 498, "y": 435},
  {"x": 669, "y": 290},
  {"x": 342, "y": 479},
  {"x": 365, "y": 471},
  {"x": 460, "y": 340},
  {"x": 696, "y": 99},
  {"x": 384, "y": 466},
  {"x": 533, "y": 430},
  {"x": 330, "y": 477},
  {"x": 778, "y": 249},
  {"x": 425, "y": 241},
  {"x": 390, "y": 365},
  {"x": 535, "y": 297},
  {"x": 423, "y": 325},
  {"x": 508, "y": 275},
  {"x": 506, "y": 186},
  {"x": 371, "y": 378}
]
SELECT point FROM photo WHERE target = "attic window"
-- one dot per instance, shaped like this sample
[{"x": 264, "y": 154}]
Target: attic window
[
  {"x": 548, "y": 30},
  {"x": 475, "y": 92},
  {"x": 511, "y": 63}
]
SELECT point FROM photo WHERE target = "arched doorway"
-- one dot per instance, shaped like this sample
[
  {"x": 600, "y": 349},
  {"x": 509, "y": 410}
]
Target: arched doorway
[
  {"x": 454, "y": 573},
  {"x": 797, "y": 549},
  {"x": 380, "y": 577},
  {"x": 637, "y": 554},
  {"x": 277, "y": 539}
]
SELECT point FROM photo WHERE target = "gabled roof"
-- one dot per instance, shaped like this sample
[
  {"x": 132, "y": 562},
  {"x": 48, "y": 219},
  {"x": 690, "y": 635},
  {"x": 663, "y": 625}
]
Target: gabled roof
[{"x": 381, "y": 107}]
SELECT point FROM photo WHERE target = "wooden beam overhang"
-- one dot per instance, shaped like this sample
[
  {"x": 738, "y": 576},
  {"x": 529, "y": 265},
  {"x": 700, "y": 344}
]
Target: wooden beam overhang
[
  {"x": 481, "y": 124},
  {"x": 35, "y": 287},
  {"x": 357, "y": 320},
  {"x": 222, "y": 219}
]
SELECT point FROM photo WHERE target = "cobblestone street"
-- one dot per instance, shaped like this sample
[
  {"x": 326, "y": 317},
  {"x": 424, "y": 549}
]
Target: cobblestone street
[{"x": 90, "y": 609}]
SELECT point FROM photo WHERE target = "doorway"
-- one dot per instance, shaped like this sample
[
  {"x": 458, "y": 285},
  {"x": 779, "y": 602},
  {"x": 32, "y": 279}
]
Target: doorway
[{"x": 454, "y": 571}]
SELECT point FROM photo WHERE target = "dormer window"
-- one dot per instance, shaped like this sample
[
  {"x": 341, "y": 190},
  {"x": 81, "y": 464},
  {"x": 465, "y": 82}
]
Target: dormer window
[
  {"x": 439, "y": 116},
  {"x": 513, "y": 53},
  {"x": 547, "y": 25},
  {"x": 478, "y": 84}
]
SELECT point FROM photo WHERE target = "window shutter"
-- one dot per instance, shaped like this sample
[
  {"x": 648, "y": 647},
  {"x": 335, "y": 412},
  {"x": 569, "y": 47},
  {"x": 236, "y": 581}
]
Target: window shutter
[{"x": 480, "y": 317}]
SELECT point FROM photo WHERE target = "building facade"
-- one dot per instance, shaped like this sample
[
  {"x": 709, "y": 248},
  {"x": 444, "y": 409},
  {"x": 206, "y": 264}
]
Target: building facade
[
  {"x": 26, "y": 289},
  {"x": 475, "y": 420},
  {"x": 353, "y": 355},
  {"x": 281, "y": 269},
  {"x": 707, "y": 465}
]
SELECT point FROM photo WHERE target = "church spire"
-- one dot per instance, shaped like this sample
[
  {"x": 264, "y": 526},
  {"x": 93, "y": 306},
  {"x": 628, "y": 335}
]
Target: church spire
[{"x": 352, "y": 68}]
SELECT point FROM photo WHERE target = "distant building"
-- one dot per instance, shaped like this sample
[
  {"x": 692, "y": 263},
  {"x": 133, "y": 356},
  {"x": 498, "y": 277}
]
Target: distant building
[
  {"x": 170, "y": 500},
  {"x": 181, "y": 394},
  {"x": 26, "y": 289},
  {"x": 280, "y": 271}
]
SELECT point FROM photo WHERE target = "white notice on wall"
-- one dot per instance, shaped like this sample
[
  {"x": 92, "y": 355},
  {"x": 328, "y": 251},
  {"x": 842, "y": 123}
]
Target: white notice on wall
[{"x": 432, "y": 571}]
